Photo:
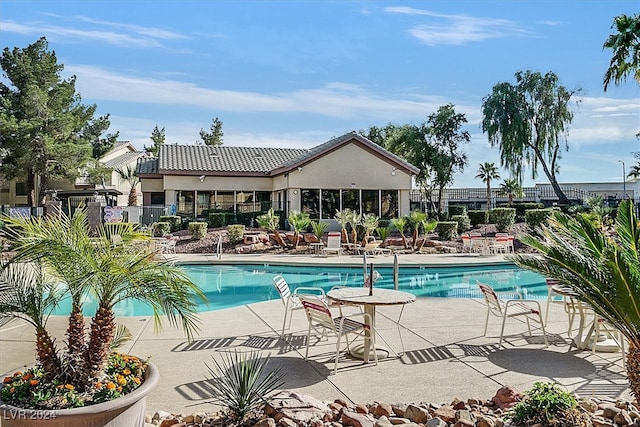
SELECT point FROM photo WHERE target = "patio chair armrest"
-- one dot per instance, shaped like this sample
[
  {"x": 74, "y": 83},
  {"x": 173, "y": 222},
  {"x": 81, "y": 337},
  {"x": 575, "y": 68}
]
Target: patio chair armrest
[
  {"x": 509, "y": 295},
  {"x": 306, "y": 290},
  {"x": 526, "y": 301},
  {"x": 366, "y": 316}
]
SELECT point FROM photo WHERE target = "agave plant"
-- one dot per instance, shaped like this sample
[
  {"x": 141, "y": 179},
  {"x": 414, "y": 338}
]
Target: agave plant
[
  {"x": 87, "y": 263},
  {"x": 603, "y": 271},
  {"x": 241, "y": 382}
]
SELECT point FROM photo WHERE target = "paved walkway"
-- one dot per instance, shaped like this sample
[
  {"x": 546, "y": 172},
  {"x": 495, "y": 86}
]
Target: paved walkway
[{"x": 446, "y": 354}]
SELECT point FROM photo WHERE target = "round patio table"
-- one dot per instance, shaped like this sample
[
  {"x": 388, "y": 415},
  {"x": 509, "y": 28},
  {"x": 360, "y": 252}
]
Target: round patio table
[{"x": 360, "y": 296}]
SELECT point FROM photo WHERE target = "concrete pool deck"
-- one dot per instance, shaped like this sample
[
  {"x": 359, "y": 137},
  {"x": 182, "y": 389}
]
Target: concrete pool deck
[{"x": 446, "y": 355}]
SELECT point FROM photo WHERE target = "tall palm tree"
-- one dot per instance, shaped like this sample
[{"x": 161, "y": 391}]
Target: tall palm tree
[
  {"x": 603, "y": 271},
  {"x": 487, "y": 172},
  {"x": 129, "y": 175},
  {"x": 625, "y": 44},
  {"x": 88, "y": 265},
  {"x": 511, "y": 188},
  {"x": 634, "y": 171}
]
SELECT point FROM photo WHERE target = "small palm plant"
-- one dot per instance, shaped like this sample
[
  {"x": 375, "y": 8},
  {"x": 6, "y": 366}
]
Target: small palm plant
[
  {"x": 319, "y": 228},
  {"x": 399, "y": 224},
  {"x": 353, "y": 219},
  {"x": 370, "y": 223},
  {"x": 603, "y": 271},
  {"x": 271, "y": 222},
  {"x": 415, "y": 220},
  {"x": 241, "y": 382},
  {"x": 83, "y": 263},
  {"x": 299, "y": 221},
  {"x": 342, "y": 217}
]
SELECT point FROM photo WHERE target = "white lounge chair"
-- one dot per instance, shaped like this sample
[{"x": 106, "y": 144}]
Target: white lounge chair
[{"x": 334, "y": 244}]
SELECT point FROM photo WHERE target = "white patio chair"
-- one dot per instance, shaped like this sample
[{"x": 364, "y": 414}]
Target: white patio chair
[
  {"x": 334, "y": 244},
  {"x": 511, "y": 308},
  {"x": 291, "y": 300},
  {"x": 321, "y": 320}
]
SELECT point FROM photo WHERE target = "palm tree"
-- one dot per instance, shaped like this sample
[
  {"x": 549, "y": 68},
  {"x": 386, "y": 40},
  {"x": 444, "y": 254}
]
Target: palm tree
[
  {"x": 342, "y": 217},
  {"x": 370, "y": 223},
  {"x": 415, "y": 220},
  {"x": 399, "y": 224},
  {"x": 603, "y": 271},
  {"x": 487, "y": 172},
  {"x": 129, "y": 175},
  {"x": 88, "y": 265},
  {"x": 625, "y": 44},
  {"x": 353, "y": 219},
  {"x": 299, "y": 221},
  {"x": 634, "y": 171},
  {"x": 271, "y": 222},
  {"x": 511, "y": 188}
]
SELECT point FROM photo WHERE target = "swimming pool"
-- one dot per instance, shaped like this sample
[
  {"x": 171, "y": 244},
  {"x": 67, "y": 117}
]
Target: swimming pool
[{"x": 233, "y": 285}]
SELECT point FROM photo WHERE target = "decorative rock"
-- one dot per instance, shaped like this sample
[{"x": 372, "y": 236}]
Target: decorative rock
[
  {"x": 266, "y": 422},
  {"x": 436, "y": 422},
  {"x": 588, "y": 405},
  {"x": 610, "y": 411},
  {"x": 445, "y": 413},
  {"x": 362, "y": 409},
  {"x": 622, "y": 418},
  {"x": 416, "y": 414},
  {"x": 169, "y": 422},
  {"x": 161, "y": 415},
  {"x": 399, "y": 409},
  {"x": 464, "y": 423},
  {"x": 355, "y": 419},
  {"x": 399, "y": 420},
  {"x": 286, "y": 422},
  {"x": 506, "y": 397},
  {"x": 383, "y": 421},
  {"x": 383, "y": 410},
  {"x": 485, "y": 421}
]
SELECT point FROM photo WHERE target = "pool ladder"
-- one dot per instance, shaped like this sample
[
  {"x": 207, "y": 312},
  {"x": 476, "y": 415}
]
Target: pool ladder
[{"x": 219, "y": 247}]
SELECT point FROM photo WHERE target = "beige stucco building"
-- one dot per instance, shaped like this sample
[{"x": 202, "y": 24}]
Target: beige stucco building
[{"x": 346, "y": 172}]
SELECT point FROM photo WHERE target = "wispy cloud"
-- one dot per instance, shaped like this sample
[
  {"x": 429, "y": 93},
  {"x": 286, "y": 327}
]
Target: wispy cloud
[
  {"x": 458, "y": 29},
  {"x": 106, "y": 32}
]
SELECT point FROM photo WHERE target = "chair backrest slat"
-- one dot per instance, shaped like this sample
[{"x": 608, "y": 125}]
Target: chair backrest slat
[
  {"x": 283, "y": 288},
  {"x": 490, "y": 297},
  {"x": 333, "y": 240},
  {"x": 318, "y": 312}
]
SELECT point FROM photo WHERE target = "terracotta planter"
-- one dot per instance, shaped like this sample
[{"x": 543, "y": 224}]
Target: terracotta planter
[{"x": 128, "y": 410}]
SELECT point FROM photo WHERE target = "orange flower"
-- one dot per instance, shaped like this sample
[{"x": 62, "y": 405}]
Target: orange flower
[
  {"x": 60, "y": 387},
  {"x": 69, "y": 386},
  {"x": 126, "y": 371},
  {"x": 17, "y": 374},
  {"x": 111, "y": 386},
  {"x": 137, "y": 380},
  {"x": 120, "y": 389},
  {"x": 98, "y": 386},
  {"x": 7, "y": 380},
  {"x": 33, "y": 382},
  {"x": 122, "y": 380}
]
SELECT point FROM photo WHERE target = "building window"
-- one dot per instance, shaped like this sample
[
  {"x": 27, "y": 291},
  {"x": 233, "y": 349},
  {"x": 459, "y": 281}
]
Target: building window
[
  {"x": 330, "y": 203},
  {"x": 263, "y": 201},
  {"x": 225, "y": 200},
  {"x": 389, "y": 204},
  {"x": 351, "y": 200},
  {"x": 21, "y": 189},
  {"x": 157, "y": 199},
  {"x": 370, "y": 202},
  {"x": 205, "y": 198},
  {"x": 311, "y": 203},
  {"x": 184, "y": 203}
]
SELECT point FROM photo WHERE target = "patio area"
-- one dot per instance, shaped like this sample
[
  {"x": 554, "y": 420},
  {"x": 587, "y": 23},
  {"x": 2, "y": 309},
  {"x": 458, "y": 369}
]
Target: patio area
[{"x": 446, "y": 355}]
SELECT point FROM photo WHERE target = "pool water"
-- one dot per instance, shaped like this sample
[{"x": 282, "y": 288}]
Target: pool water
[{"x": 234, "y": 285}]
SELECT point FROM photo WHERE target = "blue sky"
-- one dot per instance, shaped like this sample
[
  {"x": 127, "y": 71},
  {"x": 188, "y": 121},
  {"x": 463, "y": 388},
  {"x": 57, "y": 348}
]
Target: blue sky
[{"x": 297, "y": 73}]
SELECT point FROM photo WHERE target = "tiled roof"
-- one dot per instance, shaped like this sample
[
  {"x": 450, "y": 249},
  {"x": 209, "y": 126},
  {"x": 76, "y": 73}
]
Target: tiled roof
[
  {"x": 205, "y": 158},
  {"x": 123, "y": 159},
  {"x": 147, "y": 166}
]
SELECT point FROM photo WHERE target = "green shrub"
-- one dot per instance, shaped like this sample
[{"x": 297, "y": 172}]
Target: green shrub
[
  {"x": 160, "y": 229},
  {"x": 216, "y": 219},
  {"x": 173, "y": 220},
  {"x": 477, "y": 217},
  {"x": 198, "y": 230},
  {"x": 503, "y": 218},
  {"x": 457, "y": 210},
  {"x": 534, "y": 218},
  {"x": 383, "y": 232},
  {"x": 464, "y": 223},
  {"x": 522, "y": 208},
  {"x": 447, "y": 230},
  {"x": 235, "y": 233},
  {"x": 546, "y": 404}
]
